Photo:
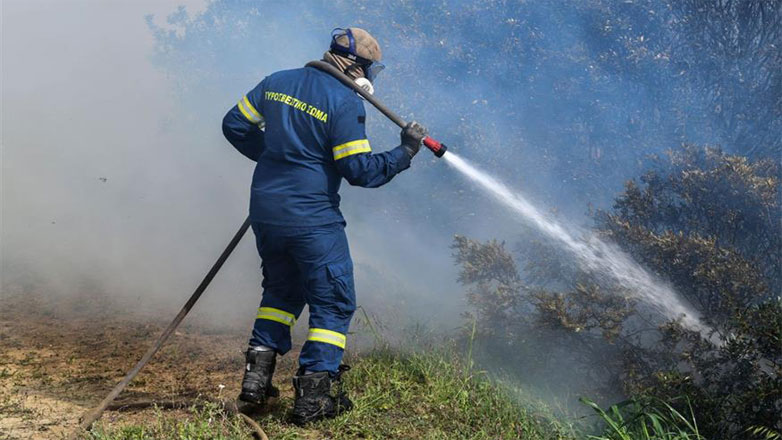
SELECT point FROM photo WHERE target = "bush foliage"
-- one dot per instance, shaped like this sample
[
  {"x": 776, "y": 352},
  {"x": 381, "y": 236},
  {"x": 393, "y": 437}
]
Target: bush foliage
[{"x": 705, "y": 221}]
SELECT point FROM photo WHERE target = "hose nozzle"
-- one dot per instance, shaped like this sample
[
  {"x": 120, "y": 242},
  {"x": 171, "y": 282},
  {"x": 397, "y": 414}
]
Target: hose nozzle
[{"x": 437, "y": 148}]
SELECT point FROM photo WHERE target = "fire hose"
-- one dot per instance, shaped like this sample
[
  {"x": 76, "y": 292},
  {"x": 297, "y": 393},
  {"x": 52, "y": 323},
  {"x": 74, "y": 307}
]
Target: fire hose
[{"x": 93, "y": 415}]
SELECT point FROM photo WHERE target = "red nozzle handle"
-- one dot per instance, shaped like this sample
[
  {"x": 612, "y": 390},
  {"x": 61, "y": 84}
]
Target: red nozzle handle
[{"x": 437, "y": 148}]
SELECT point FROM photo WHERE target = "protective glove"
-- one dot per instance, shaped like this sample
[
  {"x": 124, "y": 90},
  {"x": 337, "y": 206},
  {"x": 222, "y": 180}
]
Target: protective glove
[{"x": 412, "y": 136}]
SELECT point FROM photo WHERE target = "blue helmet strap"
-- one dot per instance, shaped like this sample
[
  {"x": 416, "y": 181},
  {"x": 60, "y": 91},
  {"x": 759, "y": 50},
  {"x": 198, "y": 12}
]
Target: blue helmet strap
[{"x": 351, "y": 42}]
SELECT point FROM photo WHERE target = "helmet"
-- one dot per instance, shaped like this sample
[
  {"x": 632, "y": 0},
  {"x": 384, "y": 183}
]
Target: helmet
[{"x": 359, "y": 46}]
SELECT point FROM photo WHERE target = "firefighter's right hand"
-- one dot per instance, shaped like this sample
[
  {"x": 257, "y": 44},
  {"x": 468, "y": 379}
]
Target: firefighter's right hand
[{"x": 412, "y": 136}]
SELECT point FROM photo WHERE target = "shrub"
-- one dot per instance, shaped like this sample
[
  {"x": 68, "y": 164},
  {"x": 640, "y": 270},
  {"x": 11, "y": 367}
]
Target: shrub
[{"x": 707, "y": 222}]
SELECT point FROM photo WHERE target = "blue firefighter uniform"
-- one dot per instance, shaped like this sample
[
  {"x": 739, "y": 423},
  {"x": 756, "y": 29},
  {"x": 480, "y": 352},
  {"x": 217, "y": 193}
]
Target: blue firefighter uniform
[{"x": 306, "y": 132}]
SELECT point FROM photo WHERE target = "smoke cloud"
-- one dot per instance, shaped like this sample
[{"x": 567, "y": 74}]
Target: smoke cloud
[{"x": 116, "y": 179}]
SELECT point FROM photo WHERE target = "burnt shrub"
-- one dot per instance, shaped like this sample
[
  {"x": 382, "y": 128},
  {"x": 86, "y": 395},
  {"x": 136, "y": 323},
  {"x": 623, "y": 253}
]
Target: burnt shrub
[{"x": 706, "y": 222}]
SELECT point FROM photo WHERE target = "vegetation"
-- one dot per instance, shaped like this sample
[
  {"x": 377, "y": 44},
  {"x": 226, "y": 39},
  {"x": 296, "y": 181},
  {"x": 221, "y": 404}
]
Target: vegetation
[
  {"x": 420, "y": 395},
  {"x": 704, "y": 220},
  {"x": 645, "y": 419},
  {"x": 207, "y": 422},
  {"x": 427, "y": 396}
]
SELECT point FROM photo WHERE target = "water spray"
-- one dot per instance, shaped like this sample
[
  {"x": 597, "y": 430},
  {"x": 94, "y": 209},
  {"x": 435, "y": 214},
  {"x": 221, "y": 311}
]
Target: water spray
[{"x": 592, "y": 254}]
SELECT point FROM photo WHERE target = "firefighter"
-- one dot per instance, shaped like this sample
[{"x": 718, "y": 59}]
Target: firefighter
[{"x": 306, "y": 131}]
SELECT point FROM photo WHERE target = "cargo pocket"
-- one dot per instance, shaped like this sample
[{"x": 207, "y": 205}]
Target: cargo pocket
[{"x": 340, "y": 277}]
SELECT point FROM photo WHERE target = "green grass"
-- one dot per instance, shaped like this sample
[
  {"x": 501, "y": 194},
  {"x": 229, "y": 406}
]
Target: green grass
[
  {"x": 422, "y": 396},
  {"x": 645, "y": 419},
  {"x": 206, "y": 422},
  {"x": 431, "y": 396},
  {"x": 425, "y": 395}
]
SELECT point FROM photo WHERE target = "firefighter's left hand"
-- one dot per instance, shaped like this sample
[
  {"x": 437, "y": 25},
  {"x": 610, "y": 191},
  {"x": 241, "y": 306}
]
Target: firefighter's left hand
[{"x": 412, "y": 136}]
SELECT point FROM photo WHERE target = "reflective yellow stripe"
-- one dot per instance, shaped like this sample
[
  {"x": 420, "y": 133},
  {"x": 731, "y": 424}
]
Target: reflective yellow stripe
[
  {"x": 247, "y": 115},
  {"x": 350, "y": 144},
  {"x": 252, "y": 109},
  {"x": 327, "y": 337},
  {"x": 351, "y": 148},
  {"x": 277, "y": 315},
  {"x": 249, "y": 111}
]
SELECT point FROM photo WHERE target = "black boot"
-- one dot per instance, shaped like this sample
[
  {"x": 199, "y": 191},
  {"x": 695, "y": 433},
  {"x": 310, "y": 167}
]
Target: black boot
[
  {"x": 257, "y": 382},
  {"x": 314, "y": 400}
]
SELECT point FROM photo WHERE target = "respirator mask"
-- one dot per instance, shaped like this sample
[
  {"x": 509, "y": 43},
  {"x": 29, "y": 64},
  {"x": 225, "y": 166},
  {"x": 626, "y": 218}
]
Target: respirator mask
[{"x": 366, "y": 85}]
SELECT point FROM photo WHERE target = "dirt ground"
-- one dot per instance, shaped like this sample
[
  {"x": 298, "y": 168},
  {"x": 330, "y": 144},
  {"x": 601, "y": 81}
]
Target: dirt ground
[{"x": 59, "y": 360}]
